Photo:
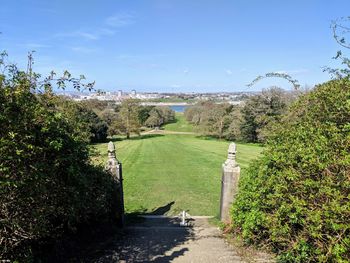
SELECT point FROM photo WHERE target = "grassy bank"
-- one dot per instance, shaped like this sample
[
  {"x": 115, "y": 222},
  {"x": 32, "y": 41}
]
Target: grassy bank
[{"x": 180, "y": 124}]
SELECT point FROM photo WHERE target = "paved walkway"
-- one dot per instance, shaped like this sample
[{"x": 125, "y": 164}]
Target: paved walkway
[{"x": 163, "y": 240}]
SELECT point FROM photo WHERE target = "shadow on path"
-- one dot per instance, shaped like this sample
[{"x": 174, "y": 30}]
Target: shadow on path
[
  {"x": 148, "y": 239},
  {"x": 163, "y": 209}
]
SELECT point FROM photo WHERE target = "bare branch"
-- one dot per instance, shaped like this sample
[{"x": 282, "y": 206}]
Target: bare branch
[
  {"x": 340, "y": 37},
  {"x": 285, "y": 76}
]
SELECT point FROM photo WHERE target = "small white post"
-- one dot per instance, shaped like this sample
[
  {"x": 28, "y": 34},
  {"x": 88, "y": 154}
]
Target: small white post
[{"x": 183, "y": 218}]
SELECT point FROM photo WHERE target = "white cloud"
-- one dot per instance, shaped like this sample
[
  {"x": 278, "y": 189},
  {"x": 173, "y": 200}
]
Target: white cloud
[
  {"x": 186, "y": 71},
  {"x": 228, "y": 71},
  {"x": 89, "y": 36},
  {"x": 34, "y": 45},
  {"x": 128, "y": 57},
  {"x": 93, "y": 34},
  {"x": 107, "y": 29},
  {"x": 120, "y": 20},
  {"x": 144, "y": 65},
  {"x": 79, "y": 34},
  {"x": 83, "y": 49},
  {"x": 107, "y": 32}
]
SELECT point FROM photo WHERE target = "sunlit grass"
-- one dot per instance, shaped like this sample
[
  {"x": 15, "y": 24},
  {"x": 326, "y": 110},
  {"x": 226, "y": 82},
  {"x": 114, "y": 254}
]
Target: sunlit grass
[{"x": 185, "y": 169}]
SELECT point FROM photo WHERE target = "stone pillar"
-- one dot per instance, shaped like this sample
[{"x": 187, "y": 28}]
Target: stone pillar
[
  {"x": 229, "y": 183},
  {"x": 114, "y": 167}
]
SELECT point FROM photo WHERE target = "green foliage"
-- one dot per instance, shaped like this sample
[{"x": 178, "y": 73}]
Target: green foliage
[
  {"x": 144, "y": 113},
  {"x": 129, "y": 116},
  {"x": 79, "y": 114},
  {"x": 260, "y": 112},
  {"x": 251, "y": 121},
  {"x": 210, "y": 119},
  {"x": 98, "y": 128},
  {"x": 160, "y": 115},
  {"x": 296, "y": 198},
  {"x": 47, "y": 185}
]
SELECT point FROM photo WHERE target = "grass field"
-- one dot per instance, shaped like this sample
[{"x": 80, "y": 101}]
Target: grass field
[
  {"x": 180, "y": 125},
  {"x": 170, "y": 173}
]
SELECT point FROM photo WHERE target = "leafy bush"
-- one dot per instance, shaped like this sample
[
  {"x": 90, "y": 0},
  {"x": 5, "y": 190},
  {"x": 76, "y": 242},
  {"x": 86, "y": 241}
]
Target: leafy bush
[
  {"x": 296, "y": 198},
  {"x": 47, "y": 185}
]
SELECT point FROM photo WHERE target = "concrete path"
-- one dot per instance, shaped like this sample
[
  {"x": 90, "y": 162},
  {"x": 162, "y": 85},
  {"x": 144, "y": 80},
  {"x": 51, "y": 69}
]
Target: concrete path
[{"x": 163, "y": 240}]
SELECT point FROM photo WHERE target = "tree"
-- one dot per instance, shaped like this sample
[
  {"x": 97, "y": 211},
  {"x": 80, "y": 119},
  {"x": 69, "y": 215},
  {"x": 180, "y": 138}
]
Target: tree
[
  {"x": 144, "y": 113},
  {"x": 97, "y": 106},
  {"x": 129, "y": 114},
  {"x": 155, "y": 118},
  {"x": 160, "y": 115},
  {"x": 233, "y": 131},
  {"x": 198, "y": 113},
  {"x": 167, "y": 114},
  {"x": 217, "y": 120},
  {"x": 109, "y": 116},
  {"x": 152, "y": 121},
  {"x": 78, "y": 113},
  {"x": 260, "y": 111}
]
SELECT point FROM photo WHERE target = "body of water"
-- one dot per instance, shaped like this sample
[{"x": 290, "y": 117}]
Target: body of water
[{"x": 178, "y": 108}]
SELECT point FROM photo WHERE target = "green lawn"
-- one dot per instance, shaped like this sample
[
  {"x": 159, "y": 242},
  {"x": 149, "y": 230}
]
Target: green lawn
[
  {"x": 160, "y": 169},
  {"x": 180, "y": 125}
]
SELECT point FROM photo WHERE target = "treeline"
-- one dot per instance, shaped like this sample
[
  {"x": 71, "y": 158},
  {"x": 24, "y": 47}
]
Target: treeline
[
  {"x": 48, "y": 187},
  {"x": 250, "y": 122},
  {"x": 124, "y": 119}
]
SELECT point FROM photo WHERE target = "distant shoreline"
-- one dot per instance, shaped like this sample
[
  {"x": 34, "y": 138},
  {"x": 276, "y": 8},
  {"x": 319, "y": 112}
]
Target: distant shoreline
[{"x": 166, "y": 104}]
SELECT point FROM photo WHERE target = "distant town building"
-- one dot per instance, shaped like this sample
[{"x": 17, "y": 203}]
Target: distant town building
[
  {"x": 133, "y": 93},
  {"x": 120, "y": 93}
]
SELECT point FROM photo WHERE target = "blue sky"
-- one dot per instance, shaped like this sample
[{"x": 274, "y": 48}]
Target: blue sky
[{"x": 174, "y": 45}]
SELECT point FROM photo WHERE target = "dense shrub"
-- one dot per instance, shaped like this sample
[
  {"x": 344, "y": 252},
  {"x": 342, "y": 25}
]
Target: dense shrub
[
  {"x": 47, "y": 185},
  {"x": 296, "y": 198}
]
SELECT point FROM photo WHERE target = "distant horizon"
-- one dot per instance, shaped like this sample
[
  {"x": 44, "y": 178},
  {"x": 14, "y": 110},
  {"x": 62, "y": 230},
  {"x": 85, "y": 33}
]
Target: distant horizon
[
  {"x": 283, "y": 85},
  {"x": 60, "y": 91}
]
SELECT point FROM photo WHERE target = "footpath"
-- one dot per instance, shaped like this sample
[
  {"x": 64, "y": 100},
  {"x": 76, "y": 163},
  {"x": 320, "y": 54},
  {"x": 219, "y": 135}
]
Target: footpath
[{"x": 162, "y": 239}]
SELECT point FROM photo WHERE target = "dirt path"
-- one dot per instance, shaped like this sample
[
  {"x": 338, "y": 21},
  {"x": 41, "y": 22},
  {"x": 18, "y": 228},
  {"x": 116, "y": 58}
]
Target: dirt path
[{"x": 164, "y": 240}]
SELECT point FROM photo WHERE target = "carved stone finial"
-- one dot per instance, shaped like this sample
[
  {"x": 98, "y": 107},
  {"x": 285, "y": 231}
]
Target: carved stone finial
[
  {"x": 232, "y": 151},
  {"x": 231, "y": 156},
  {"x": 112, "y": 162},
  {"x": 111, "y": 150},
  {"x": 111, "y": 147}
]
